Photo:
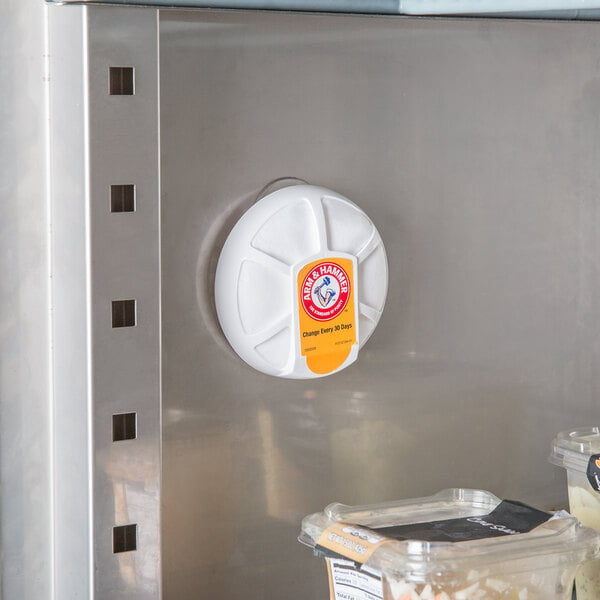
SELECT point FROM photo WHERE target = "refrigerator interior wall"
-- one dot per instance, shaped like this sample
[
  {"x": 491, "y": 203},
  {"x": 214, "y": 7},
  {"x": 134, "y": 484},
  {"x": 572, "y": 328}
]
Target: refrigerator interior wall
[
  {"x": 473, "y": 146},
  {"x": 25, "y": 408}
]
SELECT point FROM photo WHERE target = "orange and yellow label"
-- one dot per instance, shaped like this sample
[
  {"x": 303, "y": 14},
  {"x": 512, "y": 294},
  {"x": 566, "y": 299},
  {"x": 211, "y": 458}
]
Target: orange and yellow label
[
  {"x": 326, "y": 307},
  {"x": 351, "y": 541}
]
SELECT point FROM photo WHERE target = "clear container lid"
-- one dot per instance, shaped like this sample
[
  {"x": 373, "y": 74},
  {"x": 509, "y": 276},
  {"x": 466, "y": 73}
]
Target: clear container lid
[
  {"x": 558, "y": 541},
  {"x": 573, "y": 448}
]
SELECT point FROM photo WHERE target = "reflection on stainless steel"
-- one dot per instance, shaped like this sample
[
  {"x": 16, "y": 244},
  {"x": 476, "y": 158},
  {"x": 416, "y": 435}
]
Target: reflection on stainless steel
[
  {"x": 25, "y": 401},
  {"x": 98, "y": 257},
  {"x": 125, "y": 264},
  {"x": 472, "y": 145},
  {"x": 71, "y": 419},
  {"x": 214, "y": 237},
  {"x": 135, "y": 492}
]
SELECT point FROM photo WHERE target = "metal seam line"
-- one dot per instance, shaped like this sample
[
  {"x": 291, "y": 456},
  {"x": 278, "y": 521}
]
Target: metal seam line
[
  {"x": 88, "y": 300},
  {"x": 50, "y": 297}
]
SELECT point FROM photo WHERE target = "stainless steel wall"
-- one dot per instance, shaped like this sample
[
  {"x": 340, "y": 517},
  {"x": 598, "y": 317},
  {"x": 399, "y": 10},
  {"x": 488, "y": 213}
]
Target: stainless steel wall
[
  {"x": 25, "y": 407},
  {"x": 67, "y": 481},
  {"x": 473, "y": 146}
]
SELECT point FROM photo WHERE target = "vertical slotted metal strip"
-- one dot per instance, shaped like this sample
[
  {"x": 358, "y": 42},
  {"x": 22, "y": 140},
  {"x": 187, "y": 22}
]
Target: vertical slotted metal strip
[{"x": 122, "y": 80}]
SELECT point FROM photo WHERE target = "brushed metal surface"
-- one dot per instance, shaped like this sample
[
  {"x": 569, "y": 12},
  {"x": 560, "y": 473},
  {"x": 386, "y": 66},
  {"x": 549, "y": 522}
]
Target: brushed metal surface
[
  {"x": 473, "y": 146},
  {"x": 98, "y": 256},
  {"x": 72, "y": 495},
  {"x": 25, "y": 401},
  {"x": 124, "y": 265}
]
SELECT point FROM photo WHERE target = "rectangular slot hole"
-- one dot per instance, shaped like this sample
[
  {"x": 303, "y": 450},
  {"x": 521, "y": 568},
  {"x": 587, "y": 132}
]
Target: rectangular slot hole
[
  {"x": 121, "y": 81},
  {"x": 124, "y": 427},
  {"x": 122, "y": 198},
  {"x": 124, "y": 538},
  {"x": 123, "y": 313}
]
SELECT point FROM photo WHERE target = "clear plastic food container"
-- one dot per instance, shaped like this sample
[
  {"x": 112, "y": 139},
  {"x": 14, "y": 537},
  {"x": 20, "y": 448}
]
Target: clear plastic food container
[
  {"x": 365, "y": 563},
  {"x": 578, "y": 451}
]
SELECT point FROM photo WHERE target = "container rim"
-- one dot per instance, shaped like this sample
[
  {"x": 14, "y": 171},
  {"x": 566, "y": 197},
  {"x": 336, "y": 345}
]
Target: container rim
[
  {"x": 562, "y": 537},
  {"x": 572, "y": 448}
]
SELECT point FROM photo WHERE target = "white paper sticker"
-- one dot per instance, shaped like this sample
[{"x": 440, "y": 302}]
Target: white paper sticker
[{"x": 350, "y": 583}]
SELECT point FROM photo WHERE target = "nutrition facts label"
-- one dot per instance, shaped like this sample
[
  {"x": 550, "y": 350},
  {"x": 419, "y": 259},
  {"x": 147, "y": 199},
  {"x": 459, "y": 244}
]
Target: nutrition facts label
[{"x": 349, "y": 583}]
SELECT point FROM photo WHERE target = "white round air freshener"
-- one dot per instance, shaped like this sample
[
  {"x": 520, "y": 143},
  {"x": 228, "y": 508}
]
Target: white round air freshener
[{"x": 301, "y": 282}]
